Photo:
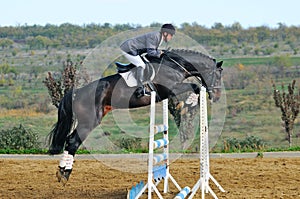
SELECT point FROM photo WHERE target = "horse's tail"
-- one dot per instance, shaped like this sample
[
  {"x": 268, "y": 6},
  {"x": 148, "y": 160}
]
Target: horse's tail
[{"x": 57, "y": 137}]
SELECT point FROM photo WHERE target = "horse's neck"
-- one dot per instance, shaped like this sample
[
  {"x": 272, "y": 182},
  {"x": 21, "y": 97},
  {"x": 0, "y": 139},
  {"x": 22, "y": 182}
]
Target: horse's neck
[{"x": 198, "y": 60}]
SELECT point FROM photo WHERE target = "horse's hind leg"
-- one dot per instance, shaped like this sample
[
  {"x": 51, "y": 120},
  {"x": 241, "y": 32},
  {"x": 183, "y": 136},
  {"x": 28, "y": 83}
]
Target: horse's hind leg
[
  {"x": 73, "y": 142},
  {"x": 66, "y": 163},
  {"x": 89, "y": 113}
]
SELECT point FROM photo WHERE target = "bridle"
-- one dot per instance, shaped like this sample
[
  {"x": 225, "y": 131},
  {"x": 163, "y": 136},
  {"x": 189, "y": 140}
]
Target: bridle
[{"x": 199, "y": 77}]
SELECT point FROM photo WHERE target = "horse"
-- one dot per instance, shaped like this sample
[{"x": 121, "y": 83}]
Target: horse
[{"x": 82, "y": 109}]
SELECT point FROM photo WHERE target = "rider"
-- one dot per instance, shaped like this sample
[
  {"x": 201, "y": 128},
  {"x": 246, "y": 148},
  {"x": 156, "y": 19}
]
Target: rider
[{"x": 147, "y": 43}]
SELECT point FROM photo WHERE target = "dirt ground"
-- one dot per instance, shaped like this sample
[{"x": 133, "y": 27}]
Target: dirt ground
[{"x": 241, "y": 178}]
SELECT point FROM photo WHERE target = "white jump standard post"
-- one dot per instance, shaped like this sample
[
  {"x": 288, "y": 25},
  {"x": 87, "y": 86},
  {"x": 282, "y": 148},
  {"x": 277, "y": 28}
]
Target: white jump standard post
[
  {"x": 154, "y": 144},
  {"x": 203, "y": 182},
  {"x": 161, "y": 172}
]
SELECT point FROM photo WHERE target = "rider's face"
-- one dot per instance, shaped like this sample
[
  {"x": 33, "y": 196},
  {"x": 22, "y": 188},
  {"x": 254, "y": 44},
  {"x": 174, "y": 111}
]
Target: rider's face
[{"x": 167, "y": 37}]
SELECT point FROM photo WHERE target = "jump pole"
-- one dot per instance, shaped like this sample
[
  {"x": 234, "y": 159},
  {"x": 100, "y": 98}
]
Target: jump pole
[{"x": 203, "y": 182}]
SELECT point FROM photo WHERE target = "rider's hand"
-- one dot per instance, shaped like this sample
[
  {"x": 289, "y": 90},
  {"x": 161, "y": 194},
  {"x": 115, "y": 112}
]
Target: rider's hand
[
  {"x": 161, "y": 54},
  {"x": 167, "y": 50}
]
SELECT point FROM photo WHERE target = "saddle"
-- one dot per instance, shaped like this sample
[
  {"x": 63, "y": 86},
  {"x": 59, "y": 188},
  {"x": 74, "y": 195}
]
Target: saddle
[
  {"x": 128, "y": 73},
  {"x": 123, "y": 68}
]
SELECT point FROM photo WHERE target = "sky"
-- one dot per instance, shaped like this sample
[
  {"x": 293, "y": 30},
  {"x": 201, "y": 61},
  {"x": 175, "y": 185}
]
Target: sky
[{"x": 249, "y": 13}]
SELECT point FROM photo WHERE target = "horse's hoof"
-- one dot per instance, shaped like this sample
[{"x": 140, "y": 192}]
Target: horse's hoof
[
  {"x": 64, "y": 180},
  {"x": 65, "y": 176},
  {"x": 59, "y": 174}
]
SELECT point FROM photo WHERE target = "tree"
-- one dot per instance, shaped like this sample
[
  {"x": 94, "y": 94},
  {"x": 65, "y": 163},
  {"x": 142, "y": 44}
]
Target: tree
[
  {"x": 282, "y": 61},
  {"x": 6, "y": 70},
  {"x": 289, "y": 104},
  {"x": 39, "y": 42},
  {"x": 236, "y": 26},
  {"x": 58, "y": 87},
  {"x": 218, "y": 26},
  {"x": 5, "y": 43}
]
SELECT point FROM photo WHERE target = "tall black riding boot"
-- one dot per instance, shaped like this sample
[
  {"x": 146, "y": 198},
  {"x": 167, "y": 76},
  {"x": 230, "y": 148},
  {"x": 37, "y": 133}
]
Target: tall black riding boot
[{"x": 141, "y": 90}]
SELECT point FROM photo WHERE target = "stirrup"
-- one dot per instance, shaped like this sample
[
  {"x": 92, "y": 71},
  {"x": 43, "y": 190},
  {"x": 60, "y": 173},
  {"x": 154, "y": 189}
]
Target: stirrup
[
  {"x": 141, "y": 91},
  {"x": 146, "y": 92}
]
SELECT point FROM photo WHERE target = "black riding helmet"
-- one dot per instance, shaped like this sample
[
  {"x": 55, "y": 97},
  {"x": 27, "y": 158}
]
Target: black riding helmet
[{"x": 168, "y": 28}]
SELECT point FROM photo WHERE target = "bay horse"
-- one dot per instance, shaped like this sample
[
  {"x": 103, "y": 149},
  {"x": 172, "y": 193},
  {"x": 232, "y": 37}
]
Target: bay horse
[{"x": 81, "y": 110}]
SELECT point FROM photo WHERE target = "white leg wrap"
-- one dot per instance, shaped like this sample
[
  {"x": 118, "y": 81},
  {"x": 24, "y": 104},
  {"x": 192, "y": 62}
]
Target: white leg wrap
[
  {"x": 193, "y": 99},
  {"x": 69, "y": 161},
  {"x": 62, "y": 162}
]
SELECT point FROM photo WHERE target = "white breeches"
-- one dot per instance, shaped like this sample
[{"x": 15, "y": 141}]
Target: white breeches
[{"x": 136, "y": 60}]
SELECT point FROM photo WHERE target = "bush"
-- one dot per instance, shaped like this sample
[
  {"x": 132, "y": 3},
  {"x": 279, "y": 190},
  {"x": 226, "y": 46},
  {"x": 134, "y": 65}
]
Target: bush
[
  {"x": 253, "y": 143},
  {"x": 250, "y": 143},
  {"x": 130, "y": 144},
  {"x": 18, "y": 138}
]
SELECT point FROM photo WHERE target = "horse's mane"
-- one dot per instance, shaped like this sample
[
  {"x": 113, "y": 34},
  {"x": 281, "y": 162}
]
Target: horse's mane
[
  {"x": 198, "y": 60},
  {"x": 194, "y": 60},
  {"x": 191, "y": 52}
]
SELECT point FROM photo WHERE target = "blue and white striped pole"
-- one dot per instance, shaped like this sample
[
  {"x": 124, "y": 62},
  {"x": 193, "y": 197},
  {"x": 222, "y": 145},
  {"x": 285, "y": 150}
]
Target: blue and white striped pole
[
  {"x": 183, "y": 193},
  {"x": 160, "y": 143}
]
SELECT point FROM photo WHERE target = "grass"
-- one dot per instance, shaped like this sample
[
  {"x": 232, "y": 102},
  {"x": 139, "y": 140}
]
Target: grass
[
  {"x": 255, "y": 61},
  {"x": 25, "y": 151},
  {"x": 255, "y": 115}
]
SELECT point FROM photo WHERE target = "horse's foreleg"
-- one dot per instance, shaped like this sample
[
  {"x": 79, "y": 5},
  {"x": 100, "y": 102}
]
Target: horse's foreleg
[
  {"x": 191, "y": 100},
  {"x": 185, "y": 87}
]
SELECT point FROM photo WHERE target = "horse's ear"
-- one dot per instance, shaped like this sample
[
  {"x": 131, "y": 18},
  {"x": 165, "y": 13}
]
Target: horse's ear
[{"x": 219, "y": 64}]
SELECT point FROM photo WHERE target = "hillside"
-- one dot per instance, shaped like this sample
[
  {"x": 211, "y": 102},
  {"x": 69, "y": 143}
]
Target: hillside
[{"x": 249, "y": 67}]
